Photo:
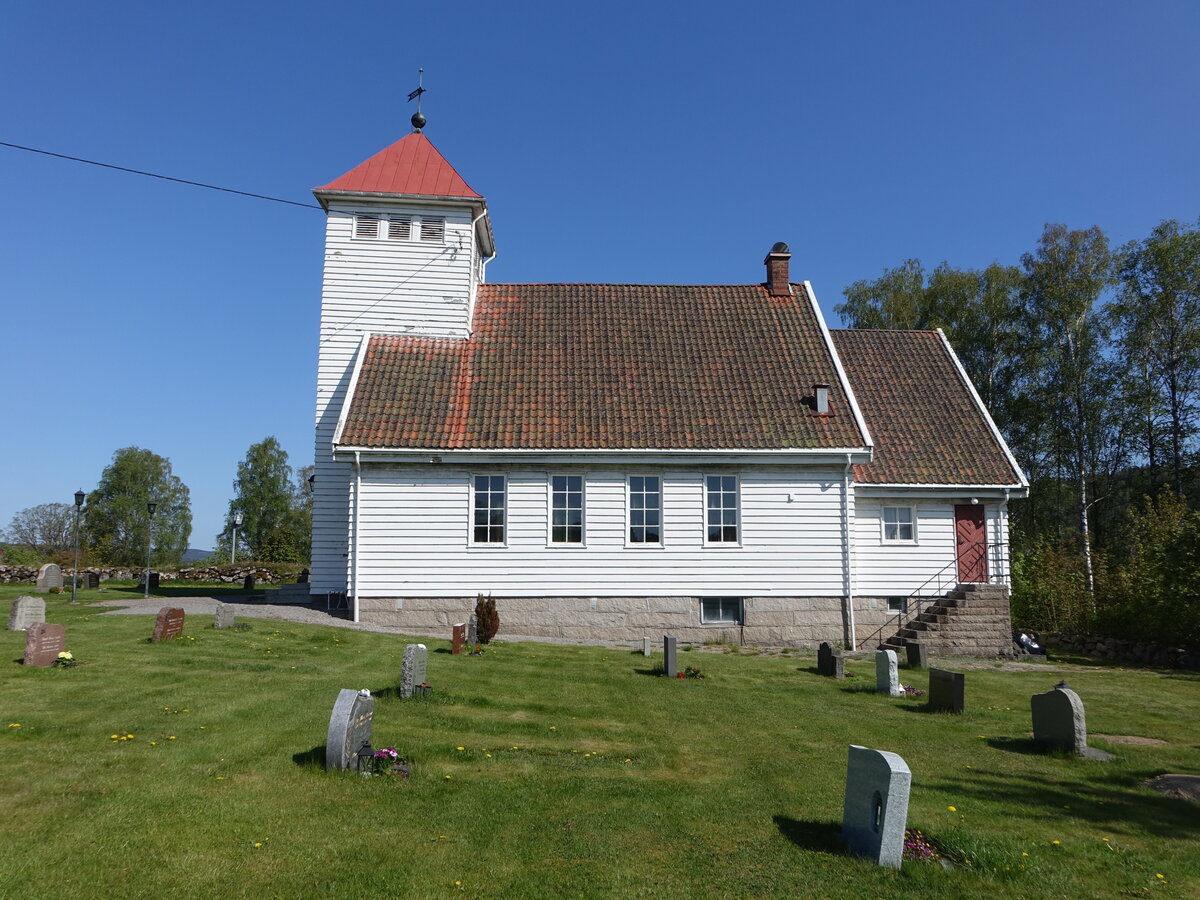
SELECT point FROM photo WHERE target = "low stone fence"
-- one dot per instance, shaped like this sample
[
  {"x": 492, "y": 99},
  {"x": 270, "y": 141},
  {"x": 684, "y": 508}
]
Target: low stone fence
[
  {"x": 235, "y": 574},
  {"x": 1122, "y": 650}
]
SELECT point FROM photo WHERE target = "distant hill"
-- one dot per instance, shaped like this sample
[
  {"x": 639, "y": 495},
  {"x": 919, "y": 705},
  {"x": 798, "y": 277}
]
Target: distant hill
[{"x": 190, "y": 555}]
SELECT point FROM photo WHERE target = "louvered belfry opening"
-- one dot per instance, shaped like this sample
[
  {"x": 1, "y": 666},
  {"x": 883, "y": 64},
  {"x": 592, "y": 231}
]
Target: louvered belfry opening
[{"x": 778, "y": 283}]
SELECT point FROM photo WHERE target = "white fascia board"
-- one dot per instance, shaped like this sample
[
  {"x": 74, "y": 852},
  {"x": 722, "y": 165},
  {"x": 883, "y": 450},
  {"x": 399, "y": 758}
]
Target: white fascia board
[
  {"x": 348, "y": 202},
  {"x": 831, "y": 457},
  {"x": 837, "y": 363},
  {"x": 987, "y": 416},
  {"x": 983, "y": 490},
  {"x": 359, "y": 357}
]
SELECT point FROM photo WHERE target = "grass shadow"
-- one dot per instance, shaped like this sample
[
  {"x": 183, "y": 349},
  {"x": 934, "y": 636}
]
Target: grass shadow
[
  {"x": 860, "y": 689},
  {"x": 811, "y": 670},
  {"x": 165, "y": 592},
  {"x": 823, "y": 837},
  {"x": 310, "y": 758},
  {"x": 1025, "y": 746},
  {"x": 658, "y": 673}
]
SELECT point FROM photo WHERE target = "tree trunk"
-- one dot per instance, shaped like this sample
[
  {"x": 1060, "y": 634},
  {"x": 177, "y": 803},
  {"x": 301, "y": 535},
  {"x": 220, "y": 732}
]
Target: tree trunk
[{"x": 1085, "y": 533}]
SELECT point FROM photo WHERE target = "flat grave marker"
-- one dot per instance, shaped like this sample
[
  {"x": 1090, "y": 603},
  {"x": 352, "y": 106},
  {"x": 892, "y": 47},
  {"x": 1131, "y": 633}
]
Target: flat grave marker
[
  {"x": 946, "y": 691},
  {"x": 876, "y": 806},
  {"x": 168, "y": 624},
  {"x": 26, "y": 612},
  {"x": 43, "y": 643},
  {"x": 349, "y": 728}
]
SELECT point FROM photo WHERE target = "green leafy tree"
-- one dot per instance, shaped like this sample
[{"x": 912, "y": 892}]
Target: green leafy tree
[
  {"x": 117, "y": 523},
  {"x": 896, "y": 299},
  {"x": 276, "y": 517}
]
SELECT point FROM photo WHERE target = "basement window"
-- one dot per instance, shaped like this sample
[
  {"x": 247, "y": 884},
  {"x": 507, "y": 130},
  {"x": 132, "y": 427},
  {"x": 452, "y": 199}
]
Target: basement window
[
  {"x": 721, "y": 611},
  {"x": 897, "y": 604},
  {"x": 899, "y": 525}
]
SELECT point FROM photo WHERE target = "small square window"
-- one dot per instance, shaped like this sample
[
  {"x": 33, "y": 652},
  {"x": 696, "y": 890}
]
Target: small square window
[
  {"x": 433, "y": 229},
  {"x": 721, "y": 611},
  {"x": 400, "y": 228},
  {"x": 897, "y": 604},
  {"x": 366, "y": 227},
  {"x": 899, "y": 526}
]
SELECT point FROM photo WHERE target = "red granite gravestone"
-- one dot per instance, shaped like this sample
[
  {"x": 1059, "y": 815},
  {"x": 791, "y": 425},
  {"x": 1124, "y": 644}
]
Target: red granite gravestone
[
  {"x": 169, "y": 624},
  {"x": 457, "y": 636},
  {"x": 43, "y": 643}
]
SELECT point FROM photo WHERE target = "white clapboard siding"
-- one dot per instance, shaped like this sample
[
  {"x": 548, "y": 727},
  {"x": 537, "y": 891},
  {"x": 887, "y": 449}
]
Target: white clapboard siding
[
  {"x": 415, "y": 523},
  {"x": 378, "y": 286},
  {"x": 928, "y": 564}
]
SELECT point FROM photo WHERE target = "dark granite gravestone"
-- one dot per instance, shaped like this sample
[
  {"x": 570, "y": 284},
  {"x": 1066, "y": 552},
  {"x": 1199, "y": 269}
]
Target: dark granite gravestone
[
  {"x": 49, "y": 578},
  {"x": 43, "y": 643},
  {"x": 1059, "y": 723},
  {"x": 169, "y": 624},
  {"x": 670, "y": 666},
  {"x": 248, "y": 583},
  {"x": 89, "y": 581},
  {"x": 223, "y": 618},
  {"x": 303, "y": 577},
  {"x": 26, "y": 612},
  {"x": 876, "y": 806},
  {"x": 458, "y": 634},
  {"x": 830, "y": 662},
  {"x": 918, "y": 654},
  {"x": 946, "y": 691},
  {"x": 412, "y": 669},
  {"x": 349, "y": 728}
]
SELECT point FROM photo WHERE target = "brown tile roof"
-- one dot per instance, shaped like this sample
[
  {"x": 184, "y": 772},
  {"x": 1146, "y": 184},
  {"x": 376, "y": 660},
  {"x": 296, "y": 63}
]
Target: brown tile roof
[
  {"x": 926, "y": 427},
  {"x": 607, "y": 366}
]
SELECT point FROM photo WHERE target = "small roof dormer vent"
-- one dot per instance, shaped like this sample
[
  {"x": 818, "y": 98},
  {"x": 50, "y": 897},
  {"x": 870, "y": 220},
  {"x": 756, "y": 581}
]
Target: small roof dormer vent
[{"x": 821, "y": 399}]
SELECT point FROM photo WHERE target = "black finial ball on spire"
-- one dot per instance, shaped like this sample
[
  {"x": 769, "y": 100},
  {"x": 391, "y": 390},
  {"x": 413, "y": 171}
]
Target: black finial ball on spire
[{"x": 418, "y": 121}]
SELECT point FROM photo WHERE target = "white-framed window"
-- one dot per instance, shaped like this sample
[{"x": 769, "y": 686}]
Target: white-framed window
[
  {"x": 720, "y": 610},
  {"x": 433, "y": 228},
  {"x": 366, "y": 226},
  {"x": 566, "y": 509},
  {"x": 899, "y": 525},
  {"x": 897, "y": 604},
  {"x": 645, "y": 510},
  {"x": 399, "y": 227},
  {"x": 721, "y": 509},
  {"x": 489, "y": 508}
]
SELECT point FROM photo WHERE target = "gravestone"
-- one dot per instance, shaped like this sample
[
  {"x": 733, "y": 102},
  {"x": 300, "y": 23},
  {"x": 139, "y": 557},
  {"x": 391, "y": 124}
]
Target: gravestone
[
  {"x": 43, "y": 643},
  {"x": 946, "y": 691},
  {"x": 89, "y": 581},
  {"x": 918, "y": 654},
  {"x": 670, "y": 666},
  {"x": 830, "y": 662},
  {"x": 887, "y": 675},
  {"x": 248, "y": 583},
  {"x": 49, "y": 577},
  {"x": 457, "y": 635},
  {"x": 646, "y": 645},
  {"x": 349, "y": 728},
  {"x": 1059, "y": 724},
  {"x": 169, "y": 624},
  {"x": 412, "y": 669},
  {"x": 26, "y": 612},
  {"x": 303, "y": 577},
  {"x": 876, "y": 807},
  {"x": 473, "y": 630},
  {"x": 223, "y": 618}
]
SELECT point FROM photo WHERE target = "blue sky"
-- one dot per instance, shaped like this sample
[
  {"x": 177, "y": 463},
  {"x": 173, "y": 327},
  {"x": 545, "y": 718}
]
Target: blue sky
[{"x": 615, "y": 142}]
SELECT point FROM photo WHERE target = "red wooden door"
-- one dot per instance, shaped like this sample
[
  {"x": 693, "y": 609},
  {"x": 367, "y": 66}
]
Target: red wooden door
[{"x": 970, "y": 543}]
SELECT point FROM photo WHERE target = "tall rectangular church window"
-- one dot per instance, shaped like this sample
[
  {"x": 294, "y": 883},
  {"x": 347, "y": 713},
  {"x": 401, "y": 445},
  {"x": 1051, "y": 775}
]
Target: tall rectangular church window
[
  {"x": 645, "y": 509},
  {"x": 566, "y": 509},
  {"x": 721, "y": 509},
  {"x": 489, "y": 509}
]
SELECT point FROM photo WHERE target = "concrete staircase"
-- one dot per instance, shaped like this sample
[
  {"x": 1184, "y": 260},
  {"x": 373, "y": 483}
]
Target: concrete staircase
[{"x": 972, "y": 620}]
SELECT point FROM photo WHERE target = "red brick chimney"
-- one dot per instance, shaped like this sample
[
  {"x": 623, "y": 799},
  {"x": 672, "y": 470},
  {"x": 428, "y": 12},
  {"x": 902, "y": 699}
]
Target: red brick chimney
[{"x": 778, "y": 284}]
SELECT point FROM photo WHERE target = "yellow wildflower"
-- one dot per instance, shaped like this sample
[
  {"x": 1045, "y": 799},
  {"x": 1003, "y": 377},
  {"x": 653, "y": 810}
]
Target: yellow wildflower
[
  {"x": 952, "y": 808},
  {"x": 1056, "y": 843}
]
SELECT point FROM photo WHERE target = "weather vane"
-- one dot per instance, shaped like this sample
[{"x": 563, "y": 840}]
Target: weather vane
[{"x": 418, "y": 120}]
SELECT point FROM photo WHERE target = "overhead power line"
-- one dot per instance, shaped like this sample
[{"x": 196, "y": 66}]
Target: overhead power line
[{"x": 200, "y": 184}]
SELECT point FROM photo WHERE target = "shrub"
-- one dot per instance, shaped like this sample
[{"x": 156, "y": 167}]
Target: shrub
[{"x": 486, "y": 618}]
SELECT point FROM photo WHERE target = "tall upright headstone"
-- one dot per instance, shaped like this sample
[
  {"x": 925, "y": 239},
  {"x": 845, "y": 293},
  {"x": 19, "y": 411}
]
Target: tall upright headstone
[
  {"x": 646, "y": 645},
  {"x": 223, "y": 618},
  {"x": 887, "y": 673},
  {"x": 876, "y": 806},
  {"x": 946, "y": 691},
  {"x": 473, "y": 630},
  {"x": 830, "y": 662},
  {"x": 43, "y": 643},
  {"x": 670, "y": 666},
  {"x": 349, "y": 728},
  {"x": 918, "y": 654},
  {"x": 412, "y": 669},
  {"x": 1059, "y": 723},
  {"x": 168, "y": 624},
  {"x": 458, "y": 634},
  {"x": 26, "y": 611},
  {"x": 89, "y": 580},
  {"x": 49, "y": 578}
]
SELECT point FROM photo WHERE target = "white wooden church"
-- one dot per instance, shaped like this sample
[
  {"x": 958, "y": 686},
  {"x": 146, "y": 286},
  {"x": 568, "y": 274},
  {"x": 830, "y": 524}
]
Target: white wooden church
[{"x": 609, "y": 460}]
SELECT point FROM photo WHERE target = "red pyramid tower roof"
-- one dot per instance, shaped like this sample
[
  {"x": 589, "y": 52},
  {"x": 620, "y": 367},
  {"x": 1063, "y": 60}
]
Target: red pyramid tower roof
[{"x": 412, "y": 165}]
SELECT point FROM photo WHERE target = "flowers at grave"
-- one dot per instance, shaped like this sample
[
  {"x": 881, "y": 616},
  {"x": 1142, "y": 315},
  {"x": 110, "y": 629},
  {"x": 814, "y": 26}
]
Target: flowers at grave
[
  {"x": 66, "y": 660},
  {"x": 691, "y": 672},
  {"x": 917, "y": 846},
  {"x": 913, "y": 692}
]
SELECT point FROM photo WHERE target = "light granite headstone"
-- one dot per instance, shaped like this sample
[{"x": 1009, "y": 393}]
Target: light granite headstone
[
  {"x": 887, "y": 673},
  {"x": 26, "y": 611},
  {"x": 646, "y": 645},
  {"x": 918, "y": 654},
  {"x": 670, "y": 666},
  {"x": 473, "y": 630},
  {"x": 223, "y": 618},
  {"x": 946, "y": 691},
  {"x": 876, "y": 807},
  {"x": 349, "y": 728},
  {"x": 1059, "y": 724},
  {"x": 412, "y": 669},
  {"x": 49, "y": 577},
  {"x": 43, "y": 643},
  {"x": 458, "y": 634},
  {"x": 168, "y": 624}
]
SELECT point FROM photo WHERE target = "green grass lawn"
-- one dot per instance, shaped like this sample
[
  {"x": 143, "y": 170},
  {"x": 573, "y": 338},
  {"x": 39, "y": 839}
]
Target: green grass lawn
[{"x": 547, "y": 771}]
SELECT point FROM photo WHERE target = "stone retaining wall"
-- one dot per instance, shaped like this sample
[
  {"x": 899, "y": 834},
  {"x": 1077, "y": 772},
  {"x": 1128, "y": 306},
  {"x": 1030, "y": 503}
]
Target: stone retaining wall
[
  {"x": 235, "y": 574},
  {"x": 1121, "y": 650}
]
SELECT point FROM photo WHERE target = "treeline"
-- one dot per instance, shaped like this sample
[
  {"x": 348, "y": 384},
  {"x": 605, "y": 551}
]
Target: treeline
[
  {"x": 141, "y": 508},
  {"x": 1088, "y": 357}
]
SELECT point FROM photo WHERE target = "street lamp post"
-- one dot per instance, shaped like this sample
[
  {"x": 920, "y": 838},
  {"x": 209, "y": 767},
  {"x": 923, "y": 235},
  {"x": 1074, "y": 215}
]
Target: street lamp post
[
  {"x": 237, "y": 521},
  {"x": 150, "y": 507},
  {"x": 75, "y": 574}
]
